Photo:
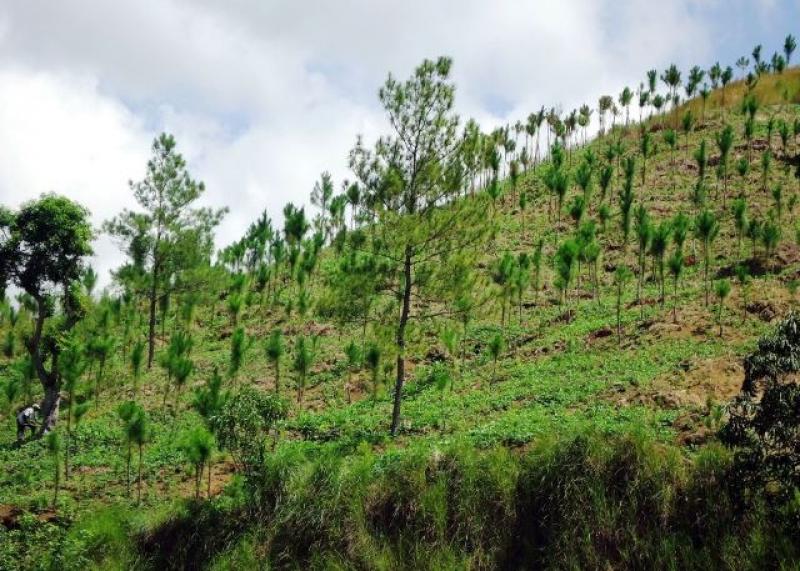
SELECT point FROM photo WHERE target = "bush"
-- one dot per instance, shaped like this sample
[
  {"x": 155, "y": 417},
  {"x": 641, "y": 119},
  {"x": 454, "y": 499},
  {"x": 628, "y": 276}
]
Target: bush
[
  {"x": 243, "y": 424},
  {"x": 765, "y": 430}
]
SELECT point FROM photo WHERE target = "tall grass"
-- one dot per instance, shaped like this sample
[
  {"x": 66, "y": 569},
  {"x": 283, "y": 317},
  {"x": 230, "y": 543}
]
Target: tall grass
[{"x": 583, "y": 502}]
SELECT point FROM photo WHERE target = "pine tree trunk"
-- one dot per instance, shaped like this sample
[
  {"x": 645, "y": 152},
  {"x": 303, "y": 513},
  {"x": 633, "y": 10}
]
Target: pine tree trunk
[
  {"x": 57, "y": 475},
  {"x": 69, "y": 438},
  {"x": 128, "y": 471},
  {"x": 151, "y": 335},
  {"x": 139, "y": 481},
  {"x": 401, "y": 340}
]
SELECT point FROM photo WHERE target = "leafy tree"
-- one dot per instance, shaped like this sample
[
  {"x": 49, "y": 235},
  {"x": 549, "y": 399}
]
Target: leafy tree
[
  {"x": 725, "y": 78},
  {"x": 181, "y": 370},
  {"x": 749, "y": 132},
  {"x": 766, "y": 164},
  {"x": 688, "y": 125},
  {"x": 303, "y": 359},
  {"x": 604, "y": 105},
  {"x": 644, "y": 99},
  {"x": 565, "y": 259},
  {"x": 680, "y": 228},
  {"x": 175, "y": 360},
  {"x": 577, "y": 209},
  {"x": 626, "y": 200},
  {"x": 451, "y": 341},
  {"x": 606, "y": 176},
  {"x": 675, "y": 264},
  {"x": 138, "y": 433},
  {"x": 275, "y": 350},
  {"x": 714, "y": 74},
  {"x": 10, "y": 344},
  {"x": 168, "y": 234},
  {"x": 658, "y": 249},
  {"x": 725, "y": 143},
  {"x": 521, "y": 280},
  {"x": 10, "y": 388},
  {"x": 742, "y": 168},
  {"x": 497, "y": 345},
  {"x": 557, "y": 181},
  {"x": 353, "y": 354},
  {"x": 740, "y": 220},
  {"x": 209, "y": 399},
  {"x": 789, "y": 45},
  {"x": 239, "y": 347},
  {"x": 777, "y": 200},
  {"x": 706, "y": 229},
  {"x": 372, "y": 359},
  {"x": 321, "y": 197},
  {"x": 754, "y": 231},
  {"x": 584, "y": 174},
  {"x": 198, "y": 445},
  {"x": 770, "y": 237},
  {"x": 89, "y": 280},
  {"x": 410, "y": 174},
  {"x": 722, "y": 288},
  {"x": 242, "y": 427},
  {"x": 625, "y": 99},
  {"x": 137, "y": 360},
  {"x": 42, "y": 251},
  {"x": 101, "y": 348},
  {"x": 671, "y": 139},
  {"x": 644, "y": 233},
  {"x": 503, "y": 276},
  {"x": 764, "y": 420},
  {"x": 705, "y": 93},
  {"x": 672, "y": 79}
]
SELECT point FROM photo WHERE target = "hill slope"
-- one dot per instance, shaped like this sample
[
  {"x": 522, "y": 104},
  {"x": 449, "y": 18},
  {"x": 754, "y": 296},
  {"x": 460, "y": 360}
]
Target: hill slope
[{"x": 566, "y": 446}]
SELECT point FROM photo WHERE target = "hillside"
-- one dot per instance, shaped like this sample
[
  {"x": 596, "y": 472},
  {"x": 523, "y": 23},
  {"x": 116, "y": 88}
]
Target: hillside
[{"x": 565, "y": 419}]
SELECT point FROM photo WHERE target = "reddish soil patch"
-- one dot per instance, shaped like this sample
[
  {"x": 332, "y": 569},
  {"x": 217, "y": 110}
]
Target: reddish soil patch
[
  {"x": 693, "y": 387},
  {"x": 601, "y": 333},
  {"x": 9, "y": 515}
]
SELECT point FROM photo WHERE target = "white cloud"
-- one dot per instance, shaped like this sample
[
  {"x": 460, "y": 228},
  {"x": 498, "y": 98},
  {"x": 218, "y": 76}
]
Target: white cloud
[{"x": 60, "y": 135}]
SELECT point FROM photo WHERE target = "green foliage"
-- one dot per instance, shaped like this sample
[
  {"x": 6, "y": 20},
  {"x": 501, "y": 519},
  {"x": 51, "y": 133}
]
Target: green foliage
[
  {"x": 242, "y": 425},
  {"x": 764, "y": 423},
  {"x": 238, "y": 348},
  {"x": 198, "y": 445},
  {"x": 168, "y": 236}
]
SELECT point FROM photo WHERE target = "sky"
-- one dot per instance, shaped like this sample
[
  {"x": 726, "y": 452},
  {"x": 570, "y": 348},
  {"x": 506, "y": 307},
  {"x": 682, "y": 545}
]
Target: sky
[{"x": 264, "y": 95}]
